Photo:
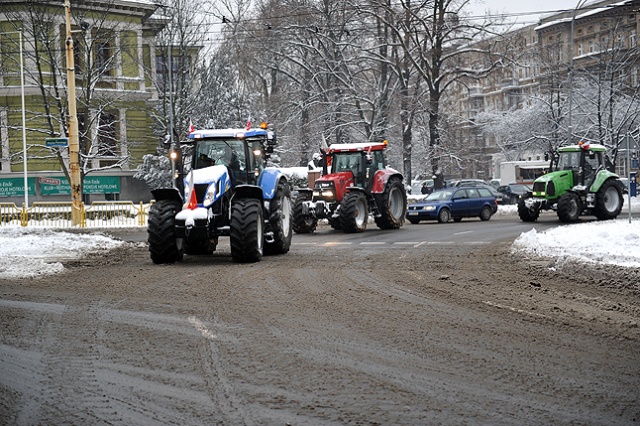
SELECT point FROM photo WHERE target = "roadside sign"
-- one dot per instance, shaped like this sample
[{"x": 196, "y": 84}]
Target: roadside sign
[
  {"x": 49, "y": 181},
  {"x": 57, "y": 141}
]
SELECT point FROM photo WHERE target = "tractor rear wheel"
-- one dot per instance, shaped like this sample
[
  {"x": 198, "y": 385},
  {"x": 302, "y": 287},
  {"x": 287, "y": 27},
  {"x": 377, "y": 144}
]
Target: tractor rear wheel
[
  {"x": 303, "y": 224},
  {"x": 163, "y": 244},
  {"x": 280, "y": 220},
  {"x": 392, "y": 205},
  {"x": 527, "y": 209},
  {"x": 608, "y": 200},
  {"x": 569, "y": 207},
  {"x": 354, "y": 212},
  {"x": 246, "y": 233}
]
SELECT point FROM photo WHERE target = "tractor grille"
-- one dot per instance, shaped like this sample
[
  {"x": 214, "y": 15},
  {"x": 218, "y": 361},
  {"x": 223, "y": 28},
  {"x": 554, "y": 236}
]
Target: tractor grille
[
  {"x": 551, "y": 189},
  {"x": 201, "y": 190}
]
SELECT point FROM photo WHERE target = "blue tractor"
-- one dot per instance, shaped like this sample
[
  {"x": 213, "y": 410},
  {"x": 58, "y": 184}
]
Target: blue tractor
[{"x": 228, "y": 191}]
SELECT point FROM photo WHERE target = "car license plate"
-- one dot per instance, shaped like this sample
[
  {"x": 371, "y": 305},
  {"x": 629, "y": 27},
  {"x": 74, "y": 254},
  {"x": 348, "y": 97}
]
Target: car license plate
[{"x": 413, "y": 213}]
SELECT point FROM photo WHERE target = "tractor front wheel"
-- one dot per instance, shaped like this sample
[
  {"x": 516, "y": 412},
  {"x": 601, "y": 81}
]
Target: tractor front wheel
[
  {"x": 528, "y": 210},
  {"x": 354, "y": 212},
  {"x": 569, "y": 207},
  {"x": 246, "y": 233},
  {"x": 163, "y": 244},
  {"x": 392, "y": 205},
  {"x": 608, "y": 200},
  {"x": 303, "y": 224},
  {"x": 280, "y": 220}
]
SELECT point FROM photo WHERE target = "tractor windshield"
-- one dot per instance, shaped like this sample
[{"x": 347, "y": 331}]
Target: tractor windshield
[
  {"x": 225, "y": 152},
  {"x": 569, "y": 161}
]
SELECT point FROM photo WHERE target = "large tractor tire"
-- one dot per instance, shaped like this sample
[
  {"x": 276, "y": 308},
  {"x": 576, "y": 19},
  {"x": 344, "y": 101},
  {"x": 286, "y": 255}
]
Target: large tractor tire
[
  {"x": 609, "y": 200},
  {"x": 246, "y": 233},
  {"x": 302, "y": 224},
  {"x": 280, "y": 220},
  {"x": 354, "y": 212},
  {"x": 392, "y": 205},
  {"x": 528, "y": 212},
  {"x": 163, "y": 244},
  {"x": 569, "y": 207}
]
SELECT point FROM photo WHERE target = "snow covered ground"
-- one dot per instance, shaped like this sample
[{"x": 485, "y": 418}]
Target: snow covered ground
[{"x": 33, "y": 252}]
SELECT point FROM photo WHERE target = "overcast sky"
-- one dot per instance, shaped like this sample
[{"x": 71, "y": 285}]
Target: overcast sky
[{"x": 530, "y": 10}]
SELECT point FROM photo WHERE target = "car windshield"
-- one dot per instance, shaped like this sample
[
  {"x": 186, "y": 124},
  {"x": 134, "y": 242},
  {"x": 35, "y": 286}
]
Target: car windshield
[{"x": 439, "y": 195}]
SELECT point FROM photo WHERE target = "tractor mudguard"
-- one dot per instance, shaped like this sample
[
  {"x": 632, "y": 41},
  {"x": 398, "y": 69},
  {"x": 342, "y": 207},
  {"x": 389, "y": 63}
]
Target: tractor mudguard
[
  {"x": 248, "y": 191},
  {"x": 170, "y": 194},
  {"x": 381, "y": 178},
  {"x": 601, "y": 177},
  {"x": 268, "y": 181}
]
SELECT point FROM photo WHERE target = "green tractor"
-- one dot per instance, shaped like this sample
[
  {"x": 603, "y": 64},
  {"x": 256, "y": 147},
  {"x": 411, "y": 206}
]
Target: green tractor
[{"x": 578, "y": 184}]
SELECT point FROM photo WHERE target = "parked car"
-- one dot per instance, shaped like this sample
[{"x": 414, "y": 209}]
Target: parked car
[
  {"x": 477, "y": 183},
  {"x": 512, "y": 191},
  {"x": 454, "y": 203}
]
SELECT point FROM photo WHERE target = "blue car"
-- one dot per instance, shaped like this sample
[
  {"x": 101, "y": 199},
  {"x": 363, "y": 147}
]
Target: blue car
[{"x": 454, "y": 203}]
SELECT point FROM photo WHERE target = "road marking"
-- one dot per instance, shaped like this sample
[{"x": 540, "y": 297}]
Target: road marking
[
  {"x": 409, "y": 243},
  {"x": 512, "y": 309},
  {"x": 371, "y": 243},
  {"x": 337, "y": 243},
  {"x": 202, "y": 328},
  {"x": 462, "y": 232}
]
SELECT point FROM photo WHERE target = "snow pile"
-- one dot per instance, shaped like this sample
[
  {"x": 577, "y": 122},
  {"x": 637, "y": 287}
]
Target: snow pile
[
  {"x": 30, "y": 252},
  {"x": 614, "y": 242}
]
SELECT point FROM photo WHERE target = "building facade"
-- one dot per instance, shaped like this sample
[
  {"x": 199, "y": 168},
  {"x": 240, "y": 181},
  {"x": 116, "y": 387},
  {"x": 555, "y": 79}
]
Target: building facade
[
  {"x": 548, "y": 60},
  {"x": 116, "y": 96}
]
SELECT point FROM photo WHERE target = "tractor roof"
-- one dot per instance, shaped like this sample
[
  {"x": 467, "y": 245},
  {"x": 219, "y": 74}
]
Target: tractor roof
[
  {"x": 582, "y": 146},
  {"x": 356, "y": 147},
  {"x": 230, "y": 133}
]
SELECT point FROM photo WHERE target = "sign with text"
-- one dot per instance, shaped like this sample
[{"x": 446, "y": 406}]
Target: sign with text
[
  {"x": 60, "y": 142},
  {"x": 92, "y": 185},
  {"x": 14, "y": 187}
]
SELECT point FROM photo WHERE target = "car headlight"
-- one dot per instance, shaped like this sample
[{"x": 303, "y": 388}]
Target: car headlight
[{"x": 429, "y": 208}]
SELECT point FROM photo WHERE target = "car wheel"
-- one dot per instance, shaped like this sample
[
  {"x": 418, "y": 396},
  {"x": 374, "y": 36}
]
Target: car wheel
[
  {"x": 444, "y": 216},
  {"x": 485, "y": 213}
]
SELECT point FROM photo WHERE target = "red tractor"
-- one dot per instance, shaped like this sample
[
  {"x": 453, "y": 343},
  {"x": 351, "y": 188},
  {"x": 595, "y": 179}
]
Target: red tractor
[{"x": 360, "y": 183}]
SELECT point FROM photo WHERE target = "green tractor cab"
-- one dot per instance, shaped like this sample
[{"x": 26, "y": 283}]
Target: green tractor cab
[{"x": 578, "y": 184}]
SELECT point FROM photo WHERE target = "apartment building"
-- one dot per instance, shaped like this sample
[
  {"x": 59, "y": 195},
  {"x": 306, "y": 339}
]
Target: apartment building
[
  {"x": 116, "y": 92},
  {"x": 546, "y": 59}
]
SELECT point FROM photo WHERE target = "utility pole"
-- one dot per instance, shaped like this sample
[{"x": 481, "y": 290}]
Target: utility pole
[{"x": 74, "y": 145}]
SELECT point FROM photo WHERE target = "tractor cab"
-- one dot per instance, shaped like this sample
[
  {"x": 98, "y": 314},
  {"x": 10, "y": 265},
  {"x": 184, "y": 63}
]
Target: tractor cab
[
  {"x": 583, "y": 161},
  {"x": 361, "y": 160}
]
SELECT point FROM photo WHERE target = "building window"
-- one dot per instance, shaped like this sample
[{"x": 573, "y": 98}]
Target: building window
[
  {"x": 180, "y": 66},
  {"x": 107, "y": 135},
  {"x": 592, "y": 47},
  {"x": 634, "y": 77},
  {"x": 580, "y": 49},
  {"x": 632, "y": 38},
  {"x": 104, "y": 57}
]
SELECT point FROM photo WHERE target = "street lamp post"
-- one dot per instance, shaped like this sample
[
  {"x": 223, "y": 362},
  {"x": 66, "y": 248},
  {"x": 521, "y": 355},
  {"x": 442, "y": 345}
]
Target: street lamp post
[
  {"x": 74, "y": 146},
  {"x": 573, "y": 20}
]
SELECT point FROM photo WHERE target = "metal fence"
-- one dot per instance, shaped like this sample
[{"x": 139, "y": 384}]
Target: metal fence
[{"x": 100, "y": 214}]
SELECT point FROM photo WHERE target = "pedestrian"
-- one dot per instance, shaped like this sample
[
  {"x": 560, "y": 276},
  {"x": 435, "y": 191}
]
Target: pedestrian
[{"x": 424, "y": 189}]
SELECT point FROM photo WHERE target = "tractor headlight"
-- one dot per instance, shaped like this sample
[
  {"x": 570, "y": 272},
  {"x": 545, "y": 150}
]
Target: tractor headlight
[
  {"x": 327, "y": 194},
  {"x": 210, "y": 196}
]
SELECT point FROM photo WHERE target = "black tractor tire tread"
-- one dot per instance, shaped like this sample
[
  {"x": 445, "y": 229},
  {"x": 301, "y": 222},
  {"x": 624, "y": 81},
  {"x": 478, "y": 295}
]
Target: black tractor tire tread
[
  {"x": 348, "y": 212},
  {"x": 161, "y": 231},
  {"x": 526, "y": 214},
  {"x": 302, "y": 224},
  {"x": 600, "y": 210},
  {"x": 565, "y": 207},
  {"x": 386, "y": 220},
  {"x": 246, "y": 230},
  {"x": 281, "y": 237}
]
